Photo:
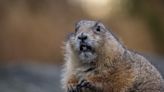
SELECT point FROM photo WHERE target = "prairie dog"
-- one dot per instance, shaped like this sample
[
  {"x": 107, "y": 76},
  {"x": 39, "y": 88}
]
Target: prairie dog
[{"x": 96, "y": 61}]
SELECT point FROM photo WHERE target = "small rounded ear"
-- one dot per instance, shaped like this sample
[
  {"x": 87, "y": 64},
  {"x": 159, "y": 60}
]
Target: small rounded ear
[
  {"x": 69, "y": 35},
  {"x": 77, "y": 26},
  {"x": 76, "y": 23}
]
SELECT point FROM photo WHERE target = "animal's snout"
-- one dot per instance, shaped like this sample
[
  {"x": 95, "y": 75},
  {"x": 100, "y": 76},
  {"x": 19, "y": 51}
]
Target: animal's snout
[{"x": 82, "y": 37}]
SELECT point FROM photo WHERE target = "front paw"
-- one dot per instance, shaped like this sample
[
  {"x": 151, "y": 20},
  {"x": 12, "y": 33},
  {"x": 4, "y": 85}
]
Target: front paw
[
  {"x": 71, "y": 88},
  {"x": 86, "y": 85},
  {"x": 71, "y": 84},
  {"x": 82, "y": 86}
]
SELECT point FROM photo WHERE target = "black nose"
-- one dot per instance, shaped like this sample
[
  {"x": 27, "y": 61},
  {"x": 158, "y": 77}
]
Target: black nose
[{"x": 82, "y": 37}]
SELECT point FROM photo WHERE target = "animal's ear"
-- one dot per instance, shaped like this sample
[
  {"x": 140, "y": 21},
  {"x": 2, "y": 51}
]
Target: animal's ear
[
  {"x": 69, "y": 35},
  {"x": 76, "y": 23},
  {"x": 77, "y": 26}
]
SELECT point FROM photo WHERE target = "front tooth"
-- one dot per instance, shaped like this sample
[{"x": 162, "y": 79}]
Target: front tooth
[{"x": 84, "y": 48}]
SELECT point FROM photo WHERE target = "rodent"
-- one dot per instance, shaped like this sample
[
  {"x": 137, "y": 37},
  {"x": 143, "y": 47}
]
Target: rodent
[{"x": 96, "y": 61}]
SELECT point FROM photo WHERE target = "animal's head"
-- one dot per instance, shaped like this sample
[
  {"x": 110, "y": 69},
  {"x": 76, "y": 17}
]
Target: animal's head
[{"x": 89, "y": 38}]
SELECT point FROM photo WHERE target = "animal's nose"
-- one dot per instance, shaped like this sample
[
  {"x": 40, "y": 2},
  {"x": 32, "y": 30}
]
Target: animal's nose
[{"x": 82, "y": 37}]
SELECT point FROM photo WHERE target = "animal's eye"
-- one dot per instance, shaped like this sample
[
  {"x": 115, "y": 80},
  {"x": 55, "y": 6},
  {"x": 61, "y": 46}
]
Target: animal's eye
[{"x": 98, "y": 28}]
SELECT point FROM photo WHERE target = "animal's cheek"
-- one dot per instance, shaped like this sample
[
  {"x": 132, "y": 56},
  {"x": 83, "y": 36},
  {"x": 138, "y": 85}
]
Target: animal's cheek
[
  {"x": 96, "y": 37},
  {"x": 100, "y": 42},
  {"x": 73, "y": 43}
]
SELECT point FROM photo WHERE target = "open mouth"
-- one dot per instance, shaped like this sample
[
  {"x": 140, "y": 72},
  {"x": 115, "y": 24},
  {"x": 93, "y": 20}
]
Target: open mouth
[
  {"x": 85, "y": 47},
  {"x": 86, "y": 52}
]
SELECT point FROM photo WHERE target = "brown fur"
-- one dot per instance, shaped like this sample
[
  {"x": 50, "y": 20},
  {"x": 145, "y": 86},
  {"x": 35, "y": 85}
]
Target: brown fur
[{"x": 115, "y": 69}]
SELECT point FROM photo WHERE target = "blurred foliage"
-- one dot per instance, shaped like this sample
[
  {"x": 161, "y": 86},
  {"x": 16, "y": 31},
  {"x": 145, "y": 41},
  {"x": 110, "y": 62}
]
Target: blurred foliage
[{"x": 152, "y": 12}]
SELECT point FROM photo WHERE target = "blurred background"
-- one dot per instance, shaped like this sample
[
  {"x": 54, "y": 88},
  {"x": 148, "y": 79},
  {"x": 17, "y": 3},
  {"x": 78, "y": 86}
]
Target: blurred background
[{"x": 32, "y": 34}]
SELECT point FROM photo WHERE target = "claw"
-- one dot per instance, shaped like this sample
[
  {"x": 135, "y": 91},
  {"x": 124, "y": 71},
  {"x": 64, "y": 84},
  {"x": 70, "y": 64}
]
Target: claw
[
  {"x": 85, "y": 84},
  {"x": 78, "y": 89},
  {"x": 82, "y": 85},
  {"x": 71, "y": 89}
]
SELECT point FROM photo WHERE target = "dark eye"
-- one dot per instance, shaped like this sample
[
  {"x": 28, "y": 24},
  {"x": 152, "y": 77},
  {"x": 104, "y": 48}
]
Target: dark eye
[{"x": 98, "y": 28}]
